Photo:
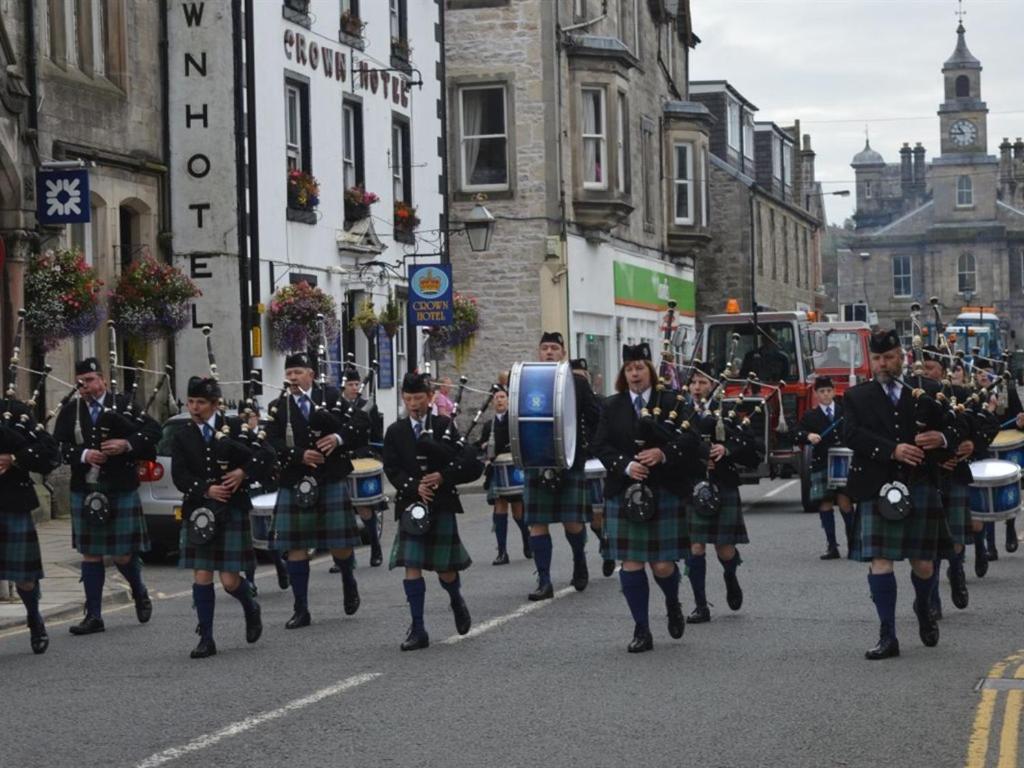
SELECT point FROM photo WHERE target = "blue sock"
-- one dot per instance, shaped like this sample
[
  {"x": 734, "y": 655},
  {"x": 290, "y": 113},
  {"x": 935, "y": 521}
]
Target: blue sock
[
  {"x": 578, "y": 542},
  {"x": 203, "y": 598},
  {"x": 298, "y": 572},
  {"x": 883, "y": 593},
  {"x": 242, "y": 594},
  {"x": 93, "y": 576},
  {"x": 523, "y": 530},
  {"x": 452, "y": 588},
  {"x": 415, "y": 592},
  {"x": 501, "y": 531},
  {"x": 936, "y": 599},
  {"x": 30, "y": 598},
  {"x": 828, "y": 523},
  {"x": 348, "y": 570},
  {"x": 697, "y": 571},
  {"x": 637, "y": 593},
  {"x": 670, "y": 586},
  {"x": 541, "y": 546},
  {"x": 990, "y": 536},
  {"x": 132, "y": 572},
  {"x": 730, "y": 566}
]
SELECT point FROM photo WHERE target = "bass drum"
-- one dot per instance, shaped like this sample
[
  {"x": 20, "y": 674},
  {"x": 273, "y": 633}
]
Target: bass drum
[{"x": 542, "y": 415}]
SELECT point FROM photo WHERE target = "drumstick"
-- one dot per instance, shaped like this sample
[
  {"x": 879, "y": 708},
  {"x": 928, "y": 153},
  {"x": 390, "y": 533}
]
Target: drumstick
[
  {"x": 831, "y": 426},
  {"x": 1008, "y": 422}
]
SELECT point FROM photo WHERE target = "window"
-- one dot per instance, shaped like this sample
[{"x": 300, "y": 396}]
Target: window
[
  {"x": 683, "y": 183},
  {"x": 748, "y": 136},
  {"x": 777, "y": 158},
  {"x": 807, "y": 264},
  {"x": 733, "y": 125},
  {"x": 594, "y": 146},
  {"x": 579, "y": 8},
  {"x": 964, "y": 192},
  {"x": 771, "y": 243},
  {"x": 398, "y": 19},
  {"x": 785, "y": 250},
  {"x": 905, "y": 330},
  {"x": 622, "y": 146},
  {"x": 963, "y": 87},
  {"x": 705, "y": 187},
  {"x": 401, "y": 164},
  {"x": 901, "y": 282},
  {"x": 669, "y": 46},
  {"x": 351, "y": 6},
  {"x": 352, "y": 144},
  {"x": 853, "y": 313},
  {"x": 966, "y": 274},
  {"x": 296, "y": 111},
  {"x": 483, "y": 127},
  {"x": 868, "y": 190},
  {"x": 787, "y": 164},
  {"x": 647, "y": 168}
]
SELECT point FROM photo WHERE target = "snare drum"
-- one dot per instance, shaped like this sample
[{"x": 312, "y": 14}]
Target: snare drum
[
  {"x": 542, "y": 415},
  {"x": 995, "y": 490},
  {"x": 839, "y": 466},
  {"x": 1008, "y": 446},
  {"x": 508, "y": 479},
  {"x": 366, "y": 482},
  {"x": 261, "y": 520},
  {"x": 595, "y": 483}
]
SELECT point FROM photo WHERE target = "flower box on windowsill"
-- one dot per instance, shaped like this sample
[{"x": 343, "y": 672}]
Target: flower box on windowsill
[
  {"x": 401, "y": 54},
  {"x": 405, "y": 236},
  {"x": 353, "y": 41},
  {"x": 351, "y": 32},
  {"x": 301, "y": 215}
]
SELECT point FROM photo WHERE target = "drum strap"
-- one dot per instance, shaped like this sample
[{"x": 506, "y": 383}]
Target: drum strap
[
  {"x": 289, "y": 433},
  {"x": 491, "y": 442},
  {"x": 79, "y": 437}
]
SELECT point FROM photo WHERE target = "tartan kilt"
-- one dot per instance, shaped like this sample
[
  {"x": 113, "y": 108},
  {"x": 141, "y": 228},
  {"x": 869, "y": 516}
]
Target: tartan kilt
[
  {"x": 230, "y": 551},
  {"x": 493, "y": 497},
  {"x": 439, "y": 549},
  {"x": 663, "y": 539},
  {"x": 819, "y": 490},
  {"x": 328, "y": 524},
  {"x": 956, "y": 498},
  {"x": 727, "y": 527},
  {"x": 915, "y": 538},
  {"x": 20, "y": 558},
  {"x": 123, "y": 534},
  {"x": 569, "y": 504}
]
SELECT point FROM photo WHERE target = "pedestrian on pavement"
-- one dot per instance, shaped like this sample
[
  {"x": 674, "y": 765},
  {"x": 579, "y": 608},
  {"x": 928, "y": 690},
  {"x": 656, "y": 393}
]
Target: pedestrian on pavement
[{"x": 442, "y": 404}]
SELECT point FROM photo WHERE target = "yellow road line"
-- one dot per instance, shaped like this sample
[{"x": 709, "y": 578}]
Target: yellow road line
[
  {"x": 1009, "y": 737},
  {"x": 981, "y": 732},
  {"x": 978, "y": 746}
]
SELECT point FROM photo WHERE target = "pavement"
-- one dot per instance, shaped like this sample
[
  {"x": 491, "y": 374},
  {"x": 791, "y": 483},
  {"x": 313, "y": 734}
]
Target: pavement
[{"x": 782, "y": 682}]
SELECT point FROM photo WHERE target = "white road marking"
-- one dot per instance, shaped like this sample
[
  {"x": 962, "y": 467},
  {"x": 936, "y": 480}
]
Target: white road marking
[
  {"x": 497, "y": 621},
  {"x": 776, "y": 490},
  {"x": 235, "y": 729}
]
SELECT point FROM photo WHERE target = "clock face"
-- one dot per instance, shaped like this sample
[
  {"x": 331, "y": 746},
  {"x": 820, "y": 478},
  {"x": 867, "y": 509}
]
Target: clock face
[{"x": 963, "y": 133}]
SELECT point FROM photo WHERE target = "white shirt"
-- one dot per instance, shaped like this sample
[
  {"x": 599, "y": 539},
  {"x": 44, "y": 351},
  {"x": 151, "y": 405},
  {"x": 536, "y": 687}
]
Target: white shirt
[
  {"x": 646, "y": 395},
  {"x": 309, "y": 395}
]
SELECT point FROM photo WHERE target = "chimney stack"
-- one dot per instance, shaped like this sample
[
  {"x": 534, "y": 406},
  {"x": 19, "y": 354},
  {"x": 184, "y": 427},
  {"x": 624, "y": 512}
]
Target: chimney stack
[
  {"x": 919, "y": 169},
  {"x": 906, "y": 170}
]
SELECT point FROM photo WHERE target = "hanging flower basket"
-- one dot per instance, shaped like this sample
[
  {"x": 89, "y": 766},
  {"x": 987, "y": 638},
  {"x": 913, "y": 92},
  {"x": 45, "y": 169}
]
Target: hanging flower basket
[
  {"x": 391, "y": 316},
  {"x": 303, "y": 190},
  {"x": 401, "y": 49},
  {"x": 358, "y": 202},
  {"x": 406, "y": 219},
  {"x": 62, "y": 297},
  {"x": 352, "y": 24},
  {"x": 366, "y": 320},
  {"x": 461, "y": 334},
  {"x": 293, "y": 318},
  {"x": 151, "y": 300}
]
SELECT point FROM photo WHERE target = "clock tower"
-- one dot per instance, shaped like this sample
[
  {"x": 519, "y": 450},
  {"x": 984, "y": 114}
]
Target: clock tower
[{"x": 962, "y": 116}]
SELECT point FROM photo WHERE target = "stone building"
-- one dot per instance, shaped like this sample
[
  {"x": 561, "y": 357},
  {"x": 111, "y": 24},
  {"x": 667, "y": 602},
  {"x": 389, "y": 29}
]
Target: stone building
[
  {"x": 767, "y": 213},
  {"x": 952, "y": 228},
  {"x": 573, "y": 117}
]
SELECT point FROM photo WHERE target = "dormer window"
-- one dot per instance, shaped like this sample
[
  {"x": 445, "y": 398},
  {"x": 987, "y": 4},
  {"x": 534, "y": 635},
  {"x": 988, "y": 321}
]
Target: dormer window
[{"x": 734, "y": 125}]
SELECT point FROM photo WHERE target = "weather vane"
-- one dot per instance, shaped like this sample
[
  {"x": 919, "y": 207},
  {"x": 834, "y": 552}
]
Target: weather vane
[{"x": 960, "y": 12}]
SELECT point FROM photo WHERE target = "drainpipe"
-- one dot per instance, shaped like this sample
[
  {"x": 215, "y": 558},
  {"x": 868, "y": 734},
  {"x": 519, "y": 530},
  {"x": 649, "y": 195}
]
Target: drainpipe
[
  {"x": 252, "y": 174},
  {"x": 240, "y": 181}
]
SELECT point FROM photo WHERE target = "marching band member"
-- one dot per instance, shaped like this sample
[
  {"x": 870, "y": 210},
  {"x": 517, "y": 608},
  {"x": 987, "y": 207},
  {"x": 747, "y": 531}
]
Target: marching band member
[
  {"x": 818, "y": 427},
  {"x": 20, "y": 556},
  {"x": 668, "y": 469},
  {"x": 896, "y": 437},
  {"x": 322, "y": 518},
  {"x": 494, "y": 441},
  {"x": 104, "y": 464},
  {"x": 727, "y": 528},
  {"x": 423, "y": 470},
  {"x": 213, "y": 475},
  {"x": 567, "y": 501},
  {"x": 355, "y": 403},
  {"x": 256, "y": 487}
]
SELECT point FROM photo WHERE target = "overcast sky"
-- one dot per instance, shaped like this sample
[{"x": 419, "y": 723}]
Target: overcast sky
[{"x": 838, "y": 65}]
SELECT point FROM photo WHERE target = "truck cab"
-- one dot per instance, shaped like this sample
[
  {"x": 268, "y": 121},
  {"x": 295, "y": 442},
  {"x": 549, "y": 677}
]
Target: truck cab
[{"x": 846, "y": 358}]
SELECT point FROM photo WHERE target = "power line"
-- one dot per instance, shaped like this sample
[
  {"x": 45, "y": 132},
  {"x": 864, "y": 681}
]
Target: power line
[{"x": 894, "y": 119}]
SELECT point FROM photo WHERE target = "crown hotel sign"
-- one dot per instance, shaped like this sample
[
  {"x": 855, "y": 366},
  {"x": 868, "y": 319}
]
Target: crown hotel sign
[{"x": 430, "y": 295}]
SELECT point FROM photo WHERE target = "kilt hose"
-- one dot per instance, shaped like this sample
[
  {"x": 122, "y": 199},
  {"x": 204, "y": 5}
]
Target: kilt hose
[
  {"x": 663, "y": 539},
  {"x": 569, "y": 503},
  {"x": 727, "y": 527},
  {"x": 20, "y": 558},
  {"x": 124, "y": 533},
  {"x": 328, "y": 524},
  {"x": 913, "y": 538},
  {"x": 439, "y": 549},
  {"x": 231, "y": 549}
]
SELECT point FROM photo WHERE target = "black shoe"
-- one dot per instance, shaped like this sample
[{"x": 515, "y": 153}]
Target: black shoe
[
  {"x": 958, "y": 586},
  {"x": 38, "y": 638},
  {"x": 1011, "y": 536},
  {"x": 205, "y": 649},
  {"x": 927, "y": 627},
  {"x": 733, "y": 593},
  {"x": 542, "y": 592},
  {"x": 527, "y": 549},
  {"x": 350, "y": 599},
  {"x": 607, "y": 568},
  {"x": 831, "y": 554},
  {"x": 462, "y": 618},
  {"x": 701, "y": 615},
  {"x": 887, "y": 648},
  {"x": 90, "y": 625},
  {"x": 254, "y": 623},
  {"x": 416, "y": 639},
  {"x": 376, "y": 556},
  {"x": 676, "y": 622},
  {"x": 501, "y": 559},
  {"x": 936, "y": 612},
  {"x": 254, "y": 591},
  {"x": 299, "y": 619},
  {"x": 980, "y": 563},
  {"x": 335, "y": 569},
  {"x": 283, "y": 580},
  {"x": 642, "y": 641},
  {"x": 143, "y": 608},
  {"x": 992, "y": 553},
  {"x": 580, "y": 575}
]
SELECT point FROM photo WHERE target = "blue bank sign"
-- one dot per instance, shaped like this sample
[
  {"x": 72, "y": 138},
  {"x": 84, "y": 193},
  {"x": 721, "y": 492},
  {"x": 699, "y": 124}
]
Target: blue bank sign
[{"x": 62, "y": 197}]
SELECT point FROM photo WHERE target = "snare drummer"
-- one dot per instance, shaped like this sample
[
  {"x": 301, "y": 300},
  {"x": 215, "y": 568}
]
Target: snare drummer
[
  {"x": 565, "y": 501},
  {"x": 494, "y": 441},
  {"x": 355, "y": 403},
  {"x": 819, "y": 427}
]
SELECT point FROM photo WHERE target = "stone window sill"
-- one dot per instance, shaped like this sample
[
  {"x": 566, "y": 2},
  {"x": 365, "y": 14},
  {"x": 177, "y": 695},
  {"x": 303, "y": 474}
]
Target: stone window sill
[
  {"x": 298, "y": 17},
  {"x": 353, "y": 41}
]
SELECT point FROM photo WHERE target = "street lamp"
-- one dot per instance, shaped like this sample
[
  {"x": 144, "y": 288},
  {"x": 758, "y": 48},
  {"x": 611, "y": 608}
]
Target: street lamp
[
  {"x": 837, "y": 193},
  {"x": 479, "y": 227}
]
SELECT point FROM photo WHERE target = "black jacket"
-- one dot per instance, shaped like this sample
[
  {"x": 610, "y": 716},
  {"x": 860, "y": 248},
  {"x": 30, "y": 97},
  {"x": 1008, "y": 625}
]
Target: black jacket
[
  {"x": 33, "y": 452},
  {"x": 501, "y": 439},
  {"x": 814, "y": 421},
  {"x": 588, "y": 414},
  {"x": 615, "y": 444},
  {"x": 403, "y": 464},
  {"x": 119, "y": 473},
  {"x": 195, "y": 466},
  {"x": 354, "y": 433},
  {"x": 872, "y": 429},
  {"x": 741, "y": 446}
]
